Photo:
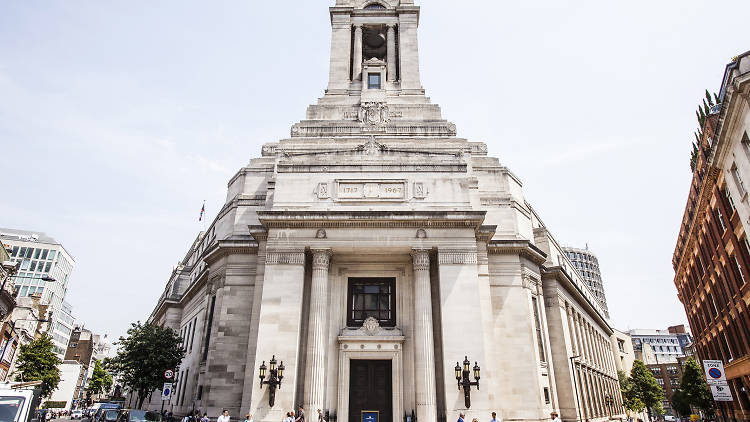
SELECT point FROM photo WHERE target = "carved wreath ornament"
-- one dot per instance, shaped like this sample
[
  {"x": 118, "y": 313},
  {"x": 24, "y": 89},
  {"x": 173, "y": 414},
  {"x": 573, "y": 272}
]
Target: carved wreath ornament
[{"x": 374, "y": 113}]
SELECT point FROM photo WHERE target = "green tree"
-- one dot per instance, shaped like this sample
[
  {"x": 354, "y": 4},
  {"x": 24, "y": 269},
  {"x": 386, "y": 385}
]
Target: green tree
[
  {"x": 629, "y": 399},
  {"x": 144, "y": 354},
  {"x": 680, "y": 403},
  {"x": 100, "y": 380},
  {"x": 695, "y": 388},
  {"x": 646, "y": 389},
  {"x": 37, "y": 362}
]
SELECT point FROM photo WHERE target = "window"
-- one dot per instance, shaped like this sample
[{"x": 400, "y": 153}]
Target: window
[
  {"x": 208, "y": 327},
  {"x": 14, "y": 252},
  {"x": 25, "y": 264},
  {"x": 372, "y": 297},
  {"x": 538, "y": 325},
  {"x": 47, "y": 267},
  {"x": 51, "y": 255},
  {"x": 375, "y": 6},
  {"x": 721, "y": 221},
  {"x": 746, "y": 144},
  {"x": 44, "y": 253},
  {"x": 546, "y": 395},
  {"x": 737, "y": 180},
  {"x": 373, "y": 81}
]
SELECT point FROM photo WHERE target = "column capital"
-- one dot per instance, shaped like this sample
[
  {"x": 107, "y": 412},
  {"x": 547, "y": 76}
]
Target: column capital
[
  {"x": 421, "y": 259},
  {"x": 321, "y": 258}
]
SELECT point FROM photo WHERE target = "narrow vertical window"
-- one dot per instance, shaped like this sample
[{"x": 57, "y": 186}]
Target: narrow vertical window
[
  {"x": 738, "y": 180},
  {"x": 192, "y": 338},
  {"x": 538, "y": 326},
  {"x": 746, "y": 144},
  {"x": 184, "y": 386},
  {"x": 208, "y": 327},
  {"x": 739, "y": 269}
]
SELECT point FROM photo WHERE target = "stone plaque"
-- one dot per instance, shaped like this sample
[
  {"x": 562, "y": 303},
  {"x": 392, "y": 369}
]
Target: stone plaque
[{"x": 354, "y": 190}]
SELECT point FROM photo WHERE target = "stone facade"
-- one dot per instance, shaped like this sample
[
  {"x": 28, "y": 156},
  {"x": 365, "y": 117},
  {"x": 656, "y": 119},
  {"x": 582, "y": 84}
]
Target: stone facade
[{"x": 375, "y": 185}]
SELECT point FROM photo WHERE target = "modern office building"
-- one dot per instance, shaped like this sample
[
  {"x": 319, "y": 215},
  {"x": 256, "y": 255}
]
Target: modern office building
[
  {"x": 666, "y": 345},
  {"x": 587, "y": 265},
  {"x": 372, "y": 251},
  {"x": 44, "y": 268},
  {"x": 712, "y": 255}
]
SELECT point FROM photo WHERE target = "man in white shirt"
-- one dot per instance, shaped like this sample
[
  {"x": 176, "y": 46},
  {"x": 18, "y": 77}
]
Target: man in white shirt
[
  {"x": 554, "y": 417},
  {"x": 494, "y": 417},
  {"x": 224, "y": 416}
]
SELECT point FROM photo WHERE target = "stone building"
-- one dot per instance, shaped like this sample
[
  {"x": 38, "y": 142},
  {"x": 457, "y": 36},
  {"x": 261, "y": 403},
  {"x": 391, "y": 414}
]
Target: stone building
[
  {"x": 587, "y": 265},
  {"x": 712, "y": 255},
  {"x": 372, "y": 251}
]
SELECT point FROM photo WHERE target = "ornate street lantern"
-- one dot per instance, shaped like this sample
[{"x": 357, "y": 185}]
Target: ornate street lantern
[
  {"x": 275, "y": 375},
  {"x": 464, "y": 381}
]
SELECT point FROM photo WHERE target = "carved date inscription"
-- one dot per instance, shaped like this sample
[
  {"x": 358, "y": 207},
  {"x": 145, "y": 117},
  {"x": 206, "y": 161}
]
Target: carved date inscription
[{"x": 371, "y": 190}]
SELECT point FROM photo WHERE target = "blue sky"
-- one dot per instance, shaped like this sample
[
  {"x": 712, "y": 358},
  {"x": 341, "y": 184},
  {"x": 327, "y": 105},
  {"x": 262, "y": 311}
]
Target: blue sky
[{"x": 118, "y": 119}]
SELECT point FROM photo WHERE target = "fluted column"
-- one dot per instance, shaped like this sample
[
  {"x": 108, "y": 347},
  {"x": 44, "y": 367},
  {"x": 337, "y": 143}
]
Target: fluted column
[
  {"x": 357, "y": 69},
  {"x": 391, "y": 53},
  {"x": 316, "y": 343},
  {"x": 424, "y": 356}
]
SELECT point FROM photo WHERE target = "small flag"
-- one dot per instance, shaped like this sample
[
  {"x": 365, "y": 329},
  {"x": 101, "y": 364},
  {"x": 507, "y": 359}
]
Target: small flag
[{"x": 203, "y": 210}]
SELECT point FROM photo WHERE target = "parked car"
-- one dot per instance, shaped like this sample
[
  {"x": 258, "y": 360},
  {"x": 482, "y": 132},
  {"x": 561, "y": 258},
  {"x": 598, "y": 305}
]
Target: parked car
[
  {"x": 134, "y": 415},
  {"x": 96, "y": 417},
  {"x": 108, "y": 415},
  {"x": 76, "y": 414}
]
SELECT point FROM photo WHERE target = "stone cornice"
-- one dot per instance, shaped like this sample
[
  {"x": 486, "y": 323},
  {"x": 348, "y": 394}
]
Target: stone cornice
[
  {"x": 520, "y": 247},
  {"x": 486, "y": 233},
  {"x": 371, "y": 219},
  {"x": 223, "y": 248},
  {"x": 570, "y": 286}
]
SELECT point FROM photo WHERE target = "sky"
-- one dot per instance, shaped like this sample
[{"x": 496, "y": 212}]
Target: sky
[{"x": 119, "y": 118}]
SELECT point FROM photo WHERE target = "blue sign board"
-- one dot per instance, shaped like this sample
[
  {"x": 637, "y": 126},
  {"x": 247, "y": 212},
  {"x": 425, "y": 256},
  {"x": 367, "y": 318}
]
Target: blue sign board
[{"x": 370, "y": 416}]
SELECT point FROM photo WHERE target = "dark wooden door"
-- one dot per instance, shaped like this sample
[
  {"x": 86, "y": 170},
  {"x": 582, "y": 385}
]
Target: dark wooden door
[{"x": 370, "y": 388}]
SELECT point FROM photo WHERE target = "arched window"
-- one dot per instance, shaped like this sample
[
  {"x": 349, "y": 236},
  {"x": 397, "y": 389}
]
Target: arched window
[{"x": 375, "y": 6}]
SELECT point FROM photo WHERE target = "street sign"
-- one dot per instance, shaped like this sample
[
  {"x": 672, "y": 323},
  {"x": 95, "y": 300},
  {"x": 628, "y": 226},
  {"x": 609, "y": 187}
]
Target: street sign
[
  {"x": 714, "y": 372},
  {"x": 721, "y": 392},
  {"x": 169, "y": 374},
  {"x": 166, "y": 391}
]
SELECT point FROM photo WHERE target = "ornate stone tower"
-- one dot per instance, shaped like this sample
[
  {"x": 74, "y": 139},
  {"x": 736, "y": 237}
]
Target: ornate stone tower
[{"x": 374, "y": 85}]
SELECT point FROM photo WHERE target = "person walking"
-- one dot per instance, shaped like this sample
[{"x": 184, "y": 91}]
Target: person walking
[
  {"x": 555, "y": 417},
  {"x": 205, "y": 418},
  {"x": 461, "y": 416},
  {"x": 321, "y": 417},
  {"x": 224, "y": 416},
  {"x": 300, "y": 415},
  {"x": 289, "y": 417},
  {"x": 249, "y": 418},
  {"x": 494, "y": 417}
]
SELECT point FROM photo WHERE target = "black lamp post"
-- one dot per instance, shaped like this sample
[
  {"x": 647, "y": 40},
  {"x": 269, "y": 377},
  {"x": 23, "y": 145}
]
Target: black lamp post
[
  {"x": 462, "y": 376},
  {"x": 275, "y": 375}
]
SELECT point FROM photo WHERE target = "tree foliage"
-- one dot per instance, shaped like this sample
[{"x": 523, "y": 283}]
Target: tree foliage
[
  {"x": 680, "y": 403},
  {"x": 644, "y": 390},
  {"x": 100, "y": 380},
  {"x": 144, "y": 354},
  {"x": 694, "y": 387},
  {"x": 37, "y": 362},
  {"x": 629, "y": 399}
]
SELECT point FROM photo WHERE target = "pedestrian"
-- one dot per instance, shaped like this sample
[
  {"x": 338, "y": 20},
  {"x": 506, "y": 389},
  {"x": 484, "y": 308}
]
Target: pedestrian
[
  {"x": 205, "y": 417},
  {"x": 248, "y": 418},
  {"x": 224, "y": 416},
  {"x": 461, "y": 416},
  {"x": 474, "y": 420},
  {"x": 301, "y": 415},
  {"x": 321, "y": 417},
  {"x": 289, "y": 417},
  {"x": 494, "y": 417},
  {"x": 554, "y": 417}
]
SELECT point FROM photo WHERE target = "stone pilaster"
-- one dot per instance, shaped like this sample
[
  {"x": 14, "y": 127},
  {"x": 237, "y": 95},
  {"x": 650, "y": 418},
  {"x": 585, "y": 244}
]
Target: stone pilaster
[
  {"x": 316, "y": 344},
  {"x": 341, "y": 39},
  {"x": 424, "y": 350},
  {"x": 391, "y": 53},
  {"x": 357, "y": 70}
]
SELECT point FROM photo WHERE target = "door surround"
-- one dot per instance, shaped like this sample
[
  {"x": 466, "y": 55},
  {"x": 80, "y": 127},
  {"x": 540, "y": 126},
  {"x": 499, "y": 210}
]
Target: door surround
[{"x": 365, "y": 347}]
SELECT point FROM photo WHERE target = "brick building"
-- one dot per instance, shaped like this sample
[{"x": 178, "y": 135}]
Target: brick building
[{"x": 712, "y": 256}]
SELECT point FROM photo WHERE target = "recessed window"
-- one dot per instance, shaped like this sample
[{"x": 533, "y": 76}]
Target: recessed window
[
  {"x": 373, "y": 81},
  {"x": 372, "y": 297}
]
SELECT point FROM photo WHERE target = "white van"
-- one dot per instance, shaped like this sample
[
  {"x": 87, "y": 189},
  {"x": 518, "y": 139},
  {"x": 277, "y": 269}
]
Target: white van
[{"x": 19, "y": 401}]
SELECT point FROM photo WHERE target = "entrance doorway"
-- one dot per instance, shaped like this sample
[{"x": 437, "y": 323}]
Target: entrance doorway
[{"x": 370, "y": 389}]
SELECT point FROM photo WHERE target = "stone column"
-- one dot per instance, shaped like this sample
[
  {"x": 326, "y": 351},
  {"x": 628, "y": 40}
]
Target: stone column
[
  {"x": 391, "y": 53},
  {"x": 424, "y": 347},
  {"x": 316, "y": 337},
  {"x": 357, "y": 69}
]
